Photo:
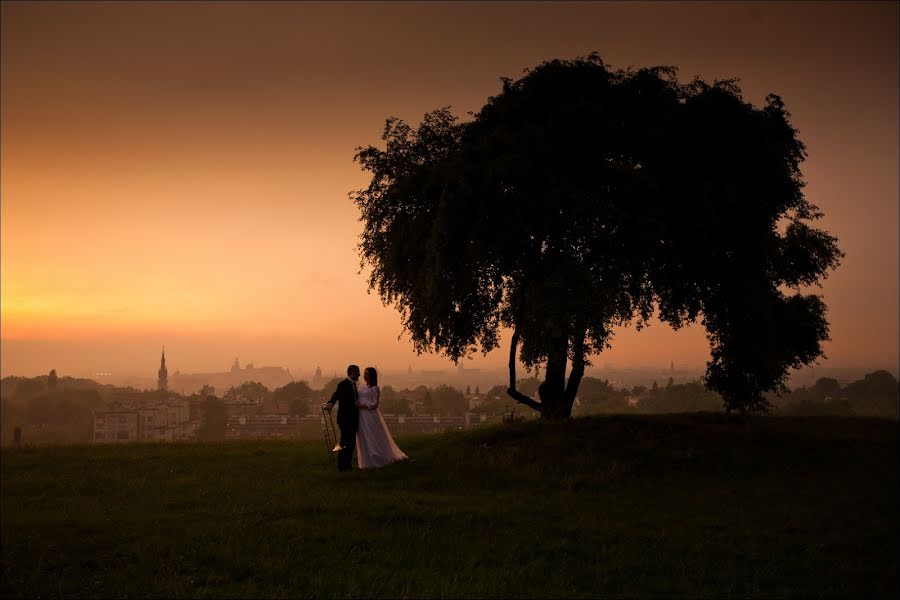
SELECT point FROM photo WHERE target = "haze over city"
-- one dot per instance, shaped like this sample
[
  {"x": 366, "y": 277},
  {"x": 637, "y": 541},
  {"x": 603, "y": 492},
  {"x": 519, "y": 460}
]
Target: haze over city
[{"x": 177, "y": 174}]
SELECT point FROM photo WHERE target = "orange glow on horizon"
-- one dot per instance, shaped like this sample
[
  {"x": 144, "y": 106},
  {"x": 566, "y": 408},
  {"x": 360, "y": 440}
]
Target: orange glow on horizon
[{"x": 181, "y": 171}]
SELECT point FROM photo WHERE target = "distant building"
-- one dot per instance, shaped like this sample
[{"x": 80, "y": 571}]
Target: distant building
[
  {"x": 416, "y": 399},
  {"x": 167, "y": 421},
  {"x": 263, "y": 426},
  {"x": 271, "y": 377},
  {"x": 475, "y": 400},
  {"x": 318, "y": 381},
  {"x": 163, "y": 375},
  {"x": 164, "y": 420},
  {"x": 136, "y": 417},
  {"x": 117, "y": 425}
]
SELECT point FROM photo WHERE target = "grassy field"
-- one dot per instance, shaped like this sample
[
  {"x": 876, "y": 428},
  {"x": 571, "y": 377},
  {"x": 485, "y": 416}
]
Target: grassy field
[{"x": 676, "y": 505}]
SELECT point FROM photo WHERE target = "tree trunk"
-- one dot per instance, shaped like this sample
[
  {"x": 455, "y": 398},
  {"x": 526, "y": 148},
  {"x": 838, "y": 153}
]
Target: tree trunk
[
  {"x": 557, "y": 397},
  {"x": 555, "y": 405},
  {"x": 577, "y": 366}
]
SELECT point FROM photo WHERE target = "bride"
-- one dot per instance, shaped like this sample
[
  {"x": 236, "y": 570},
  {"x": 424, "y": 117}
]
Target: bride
[{"x": 374, "y": 445}]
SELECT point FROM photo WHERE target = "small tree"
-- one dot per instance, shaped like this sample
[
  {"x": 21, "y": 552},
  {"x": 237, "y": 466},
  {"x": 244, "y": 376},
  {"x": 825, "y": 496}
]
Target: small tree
[
  {"x": 428, "y": 405},
  {"x": 581, "y": 198},
  {"x": 448, "y": 401},
  {"x": 394, "y": 403},
  {"x": 213, "y": 421},
  {"x": 598, "y": 396},
  {"x": 249, "y": 391},
  {"x": 876, "y": 394},
  {"x": 297, "y": 395},
  {"x": 328, "y": 388}
]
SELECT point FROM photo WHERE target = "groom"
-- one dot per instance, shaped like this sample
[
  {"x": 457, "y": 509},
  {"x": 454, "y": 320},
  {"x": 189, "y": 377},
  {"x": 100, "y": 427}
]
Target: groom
[{"x": 347, "y": 416}]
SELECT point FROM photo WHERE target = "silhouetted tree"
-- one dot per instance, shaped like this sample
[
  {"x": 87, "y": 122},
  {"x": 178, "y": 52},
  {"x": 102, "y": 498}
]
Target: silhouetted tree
[
  {"x": 598, "y": 396},
  {"x": 448, "y": 401},
  {"x": 329, "y": 387},
  {"x": 207, "y": 390},
  {"x": 826, "y": 388},
  {"x": 249, "y": 391},
  {"x": 296, "y": 395},
  {"x": 806, "y": 406},
  {"x": 495, "y": 401},
  {"x": 52, "y": 379},
  {"x": 876, "y": 394},
  {"x": 427, "y": 400},
  {"x": 680, "y": 397},
  {"x": 528, "y": 386},
  {"x": 578, "y": 199},
  {"x": 214, "y": 420},
  {"x": 393, "y": 403},
  {"x": 27, "y": 389}
]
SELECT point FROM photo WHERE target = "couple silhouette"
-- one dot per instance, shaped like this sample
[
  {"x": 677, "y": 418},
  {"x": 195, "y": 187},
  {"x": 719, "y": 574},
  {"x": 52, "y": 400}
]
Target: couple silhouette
[{"x": 361, "y": 423}]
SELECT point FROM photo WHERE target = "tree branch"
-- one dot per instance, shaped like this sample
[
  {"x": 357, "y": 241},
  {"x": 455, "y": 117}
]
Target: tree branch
[{"x": 511, "y": 390}]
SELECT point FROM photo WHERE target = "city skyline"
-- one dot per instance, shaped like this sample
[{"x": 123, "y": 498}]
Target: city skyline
[
  {"x": 178, "y": 173},
  {"x": 187, "y": 381}
]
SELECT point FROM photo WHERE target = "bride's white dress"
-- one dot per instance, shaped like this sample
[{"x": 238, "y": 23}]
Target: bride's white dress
[{"x": 374, "y": 445}]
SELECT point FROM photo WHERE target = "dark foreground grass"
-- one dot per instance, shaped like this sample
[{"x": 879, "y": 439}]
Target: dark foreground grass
[{"x": 686, "y": 505}]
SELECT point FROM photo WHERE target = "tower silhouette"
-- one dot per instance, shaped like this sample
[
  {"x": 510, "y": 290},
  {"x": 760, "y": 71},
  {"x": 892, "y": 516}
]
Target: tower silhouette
[{"x": 163, "y": 381}]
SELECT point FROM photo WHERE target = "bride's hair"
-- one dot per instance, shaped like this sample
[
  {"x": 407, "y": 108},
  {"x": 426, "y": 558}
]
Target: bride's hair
[{"x": 373, "y": 375}]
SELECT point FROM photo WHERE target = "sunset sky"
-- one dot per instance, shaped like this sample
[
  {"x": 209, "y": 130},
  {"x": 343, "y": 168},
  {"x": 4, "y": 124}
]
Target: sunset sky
[{"x": 177, "y": 173}]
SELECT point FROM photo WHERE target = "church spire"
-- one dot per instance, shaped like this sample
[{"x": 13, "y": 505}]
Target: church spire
[{"x": 163, "y": 381}]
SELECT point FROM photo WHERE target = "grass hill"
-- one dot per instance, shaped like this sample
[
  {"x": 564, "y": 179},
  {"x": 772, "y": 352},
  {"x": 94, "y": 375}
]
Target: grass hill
[{"x": 696, "y": 505}]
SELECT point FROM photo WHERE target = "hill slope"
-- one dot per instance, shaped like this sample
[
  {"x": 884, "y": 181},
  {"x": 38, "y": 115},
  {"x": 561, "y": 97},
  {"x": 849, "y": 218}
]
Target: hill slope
[{"x": 682, "y": 505}]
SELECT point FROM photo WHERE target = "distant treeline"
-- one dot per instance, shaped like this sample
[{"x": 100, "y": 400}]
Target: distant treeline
[
  {"x": 875, "y": 395},
  {"x": 51, "y": 409}
]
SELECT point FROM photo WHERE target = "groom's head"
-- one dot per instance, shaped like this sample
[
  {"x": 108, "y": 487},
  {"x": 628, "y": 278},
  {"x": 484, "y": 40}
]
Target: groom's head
[{"x": 353, "y": 372}]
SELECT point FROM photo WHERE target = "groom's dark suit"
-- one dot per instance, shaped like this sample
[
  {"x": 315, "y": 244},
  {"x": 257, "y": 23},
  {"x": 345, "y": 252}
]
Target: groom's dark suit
[{"x": 347, "y": 420}]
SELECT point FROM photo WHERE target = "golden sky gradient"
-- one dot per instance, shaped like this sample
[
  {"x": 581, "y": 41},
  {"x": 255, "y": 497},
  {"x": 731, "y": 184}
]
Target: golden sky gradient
[{"x": 177, "y": 173}]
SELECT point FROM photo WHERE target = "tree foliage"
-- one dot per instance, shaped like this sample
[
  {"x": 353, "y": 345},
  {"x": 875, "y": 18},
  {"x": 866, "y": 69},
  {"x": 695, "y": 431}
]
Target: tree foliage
[
  {"x": 678, "y": 398},
  {"x": 214, "y": 420},
  {"x": 599, "y": 396},
  {"x": 448, "y": 401},
  {"x": 328, "y": 388},
  {"x": 877, "y": 394},
  {"x": 297, "y": 395},
  {"x": 249, "y": 391},
  {"x": 582, "y": 198},
  {"x": 393, "y": 403}
]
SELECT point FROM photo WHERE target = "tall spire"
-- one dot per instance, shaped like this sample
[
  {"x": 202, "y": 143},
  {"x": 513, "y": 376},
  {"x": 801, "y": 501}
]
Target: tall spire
[{"x": 163, "y": 380}]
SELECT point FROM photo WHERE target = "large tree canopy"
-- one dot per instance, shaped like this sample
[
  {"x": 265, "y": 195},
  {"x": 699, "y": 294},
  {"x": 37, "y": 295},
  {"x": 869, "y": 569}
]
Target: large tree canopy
[{"x": 582, "y": 198}]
